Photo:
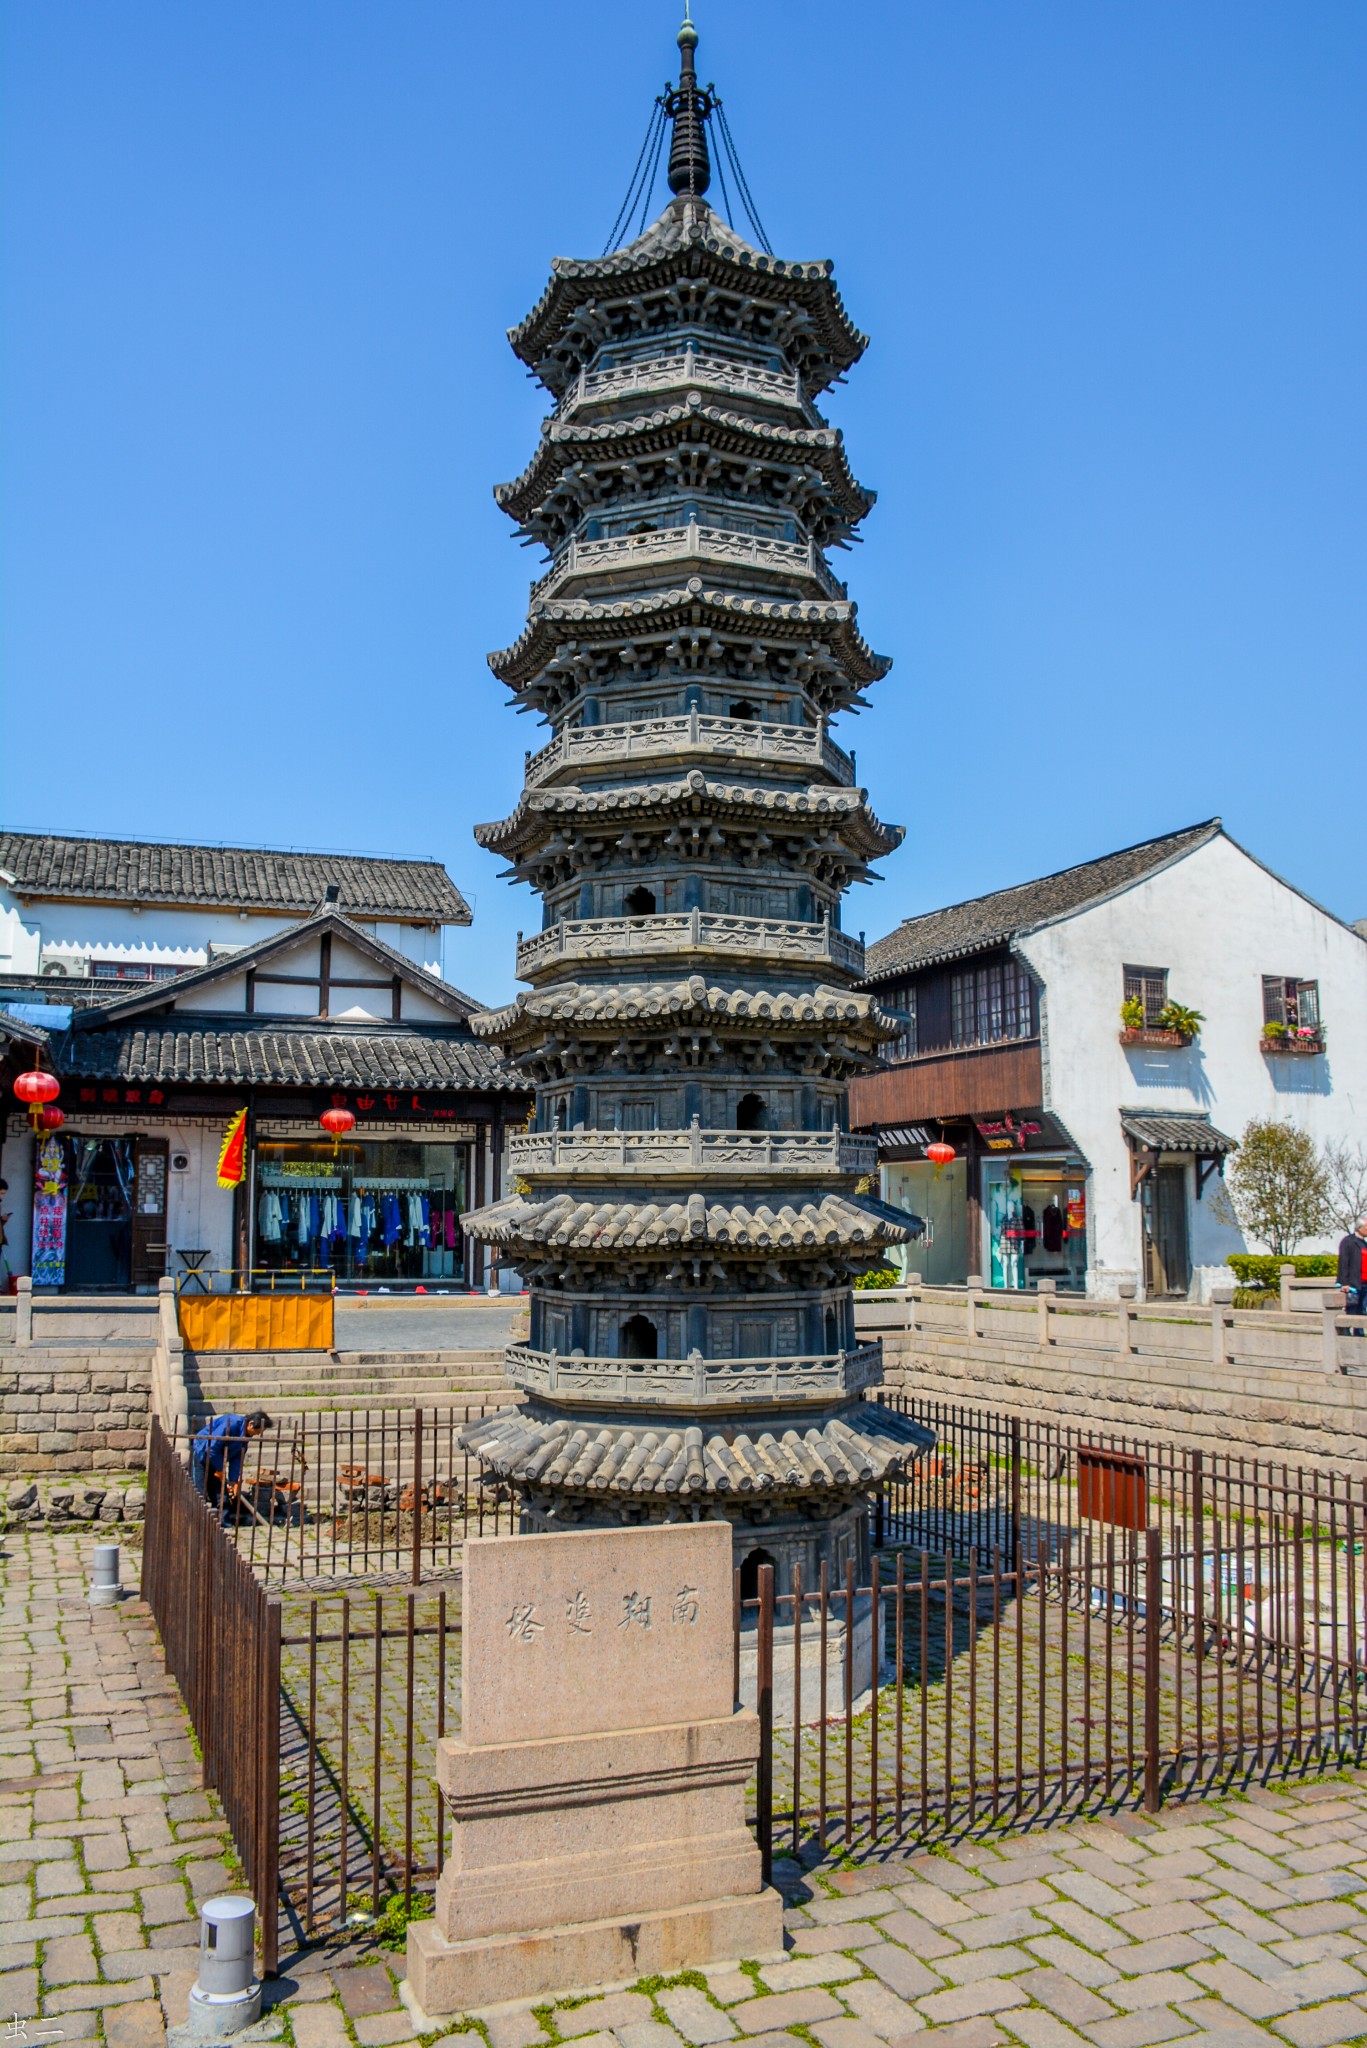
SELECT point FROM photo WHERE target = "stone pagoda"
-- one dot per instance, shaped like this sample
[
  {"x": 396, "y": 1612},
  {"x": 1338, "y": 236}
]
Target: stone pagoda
[{"x": 685, "y": 1207}]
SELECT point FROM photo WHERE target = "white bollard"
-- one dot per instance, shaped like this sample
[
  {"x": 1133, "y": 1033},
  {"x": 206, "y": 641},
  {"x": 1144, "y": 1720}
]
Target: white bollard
[
  {"x": 227, "y": 1997},
  {"x": 105, "y": 1590}
]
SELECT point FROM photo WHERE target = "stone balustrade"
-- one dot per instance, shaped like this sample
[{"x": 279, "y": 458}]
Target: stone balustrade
[
  {"x": 694, "y": 1381},
  {"x": 666, "y": 935},
  {"x": 689, "y": 544},
  {"x": 690, "y": 732},
  {"x": 691, "y": 370},
  {"x": 692, "y": 1151}
]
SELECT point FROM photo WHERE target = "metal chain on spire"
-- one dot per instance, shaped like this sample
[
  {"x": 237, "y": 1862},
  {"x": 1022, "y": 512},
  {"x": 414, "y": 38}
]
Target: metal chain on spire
[
  {"x": 654, "y": 134},
  {"x": 742, "y": 184}
]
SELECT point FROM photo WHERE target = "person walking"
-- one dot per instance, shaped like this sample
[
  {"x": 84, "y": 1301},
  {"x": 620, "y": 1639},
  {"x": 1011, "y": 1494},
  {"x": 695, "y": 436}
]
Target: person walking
[
  {"x": 217, "y": 1452},
  {"x": 1352, "y": 1274}
]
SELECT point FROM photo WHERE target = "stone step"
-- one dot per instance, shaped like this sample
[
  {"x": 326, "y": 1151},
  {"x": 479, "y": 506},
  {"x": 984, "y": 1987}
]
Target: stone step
[
  {"x": 349, "y": 1371},
  {"x": 202, "y": 1406}
]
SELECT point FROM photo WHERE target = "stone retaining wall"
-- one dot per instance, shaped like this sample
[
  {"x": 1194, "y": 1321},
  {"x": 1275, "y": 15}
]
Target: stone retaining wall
[
  {"x": 67, "y": 1408},
  {"x": 1315, "y": 1419}
]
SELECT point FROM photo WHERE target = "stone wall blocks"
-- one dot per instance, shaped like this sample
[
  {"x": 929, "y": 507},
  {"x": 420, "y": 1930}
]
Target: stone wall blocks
[{"x": 56, "y": 1441}]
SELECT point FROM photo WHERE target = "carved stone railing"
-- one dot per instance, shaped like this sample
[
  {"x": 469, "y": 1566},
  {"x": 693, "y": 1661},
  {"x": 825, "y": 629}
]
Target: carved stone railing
[
  {"x": 687, "y": 931},
  {"x": 689, "y": 545},
  {"x": 691, "y": 732},
  {"x": 679, "y": 372},
  {"x": 821, "y": 1153},
  {"x": 694, "y": 1381}
]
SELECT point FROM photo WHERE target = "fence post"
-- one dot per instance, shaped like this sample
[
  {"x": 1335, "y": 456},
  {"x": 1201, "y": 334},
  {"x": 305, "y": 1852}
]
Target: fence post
[
  {"x": 417, "y": 1496},
  {"x": 267, "y": 1872},
  {"x": 913, "y": 1299},
  {"x": 1125, "y": 1318},
  {"x": 764, "y": 1703},
  {"x": 1153, "y": 1624},
  {"x": 23, "y": 1309},
  {"x": 1221, "y": 1300},
  {"x": 1330, "y": 1338},
  {"x": 975, "y": 1281},
  {"x": 1016, "y": 1497},
  {"x": 1046, "y": 1290},
  {"x": 1286, "y": 1273}
]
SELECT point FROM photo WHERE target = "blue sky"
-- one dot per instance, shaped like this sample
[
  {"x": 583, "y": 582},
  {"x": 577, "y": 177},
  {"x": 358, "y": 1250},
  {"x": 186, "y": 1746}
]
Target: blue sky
[{"x": 258, "y": 261}]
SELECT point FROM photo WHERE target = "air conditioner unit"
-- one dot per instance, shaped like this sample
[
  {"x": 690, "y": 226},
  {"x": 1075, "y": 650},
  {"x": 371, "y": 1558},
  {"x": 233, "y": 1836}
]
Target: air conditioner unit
[{"x": 67, "y": 969}]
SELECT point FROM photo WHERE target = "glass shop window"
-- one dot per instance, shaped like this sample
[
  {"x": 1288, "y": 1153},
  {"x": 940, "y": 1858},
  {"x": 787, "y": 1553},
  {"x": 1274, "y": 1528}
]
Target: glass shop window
[
  {"x": 988, "y": 1004},
  {"x": 377, "y": 1211}
]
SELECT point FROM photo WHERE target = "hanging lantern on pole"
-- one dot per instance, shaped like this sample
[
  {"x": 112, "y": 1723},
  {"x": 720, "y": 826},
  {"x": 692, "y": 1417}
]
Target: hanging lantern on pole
[
  {"x": 51, "y": 1118},
  {"x": 34, "y": 1089},
  {"x": 337, "y": 1122},
  {"x": 940, "y": 1156}
]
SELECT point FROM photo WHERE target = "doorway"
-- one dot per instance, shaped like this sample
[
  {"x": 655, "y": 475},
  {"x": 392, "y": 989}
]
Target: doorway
[{"x": 1167, "y": 1254}]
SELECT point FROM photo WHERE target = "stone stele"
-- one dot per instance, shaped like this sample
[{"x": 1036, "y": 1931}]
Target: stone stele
[{"x": 597, "y": 1788}]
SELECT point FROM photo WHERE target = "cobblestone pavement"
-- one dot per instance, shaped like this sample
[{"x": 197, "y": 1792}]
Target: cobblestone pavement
[
  {"x": 1240, "y": 1922},
  {"x": 106, "y": 1840}
]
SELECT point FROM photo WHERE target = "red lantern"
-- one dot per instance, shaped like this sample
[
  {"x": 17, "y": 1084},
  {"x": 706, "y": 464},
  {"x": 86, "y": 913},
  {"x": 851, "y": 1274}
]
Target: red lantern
[
  {"x": 337, "y": 1122},
  {"x": 51, "y": 1118},
  {"x": 34, "y": 1089},
  {"x": 940, "y": 1156},
  {"x": 36, "y": 1086}
]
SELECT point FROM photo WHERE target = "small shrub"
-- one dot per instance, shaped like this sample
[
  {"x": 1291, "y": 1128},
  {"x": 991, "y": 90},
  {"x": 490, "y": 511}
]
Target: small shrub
[
  {"x": 881, "y": 1276},
  {"x": 1132, "y": 1014},
  {"x": 1274, "y": 1030},
  {"x": 1260, "y": 1270},
  {"x": 1257, "y": 1297}
]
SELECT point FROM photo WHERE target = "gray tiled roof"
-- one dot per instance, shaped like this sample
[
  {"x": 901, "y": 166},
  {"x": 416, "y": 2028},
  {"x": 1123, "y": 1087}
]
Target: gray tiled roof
[
  {"x": 991, "y": 920},
  {"x": 865, "y": 1443},
  {"x": 567, "y": 1222},
  {"x": 21, "y": 1033},
  {"x": 218, "y": 1051},
  {"x": 228, "y": 877},
  {"x": 1175, "y": 1130},
  {"x": 689, "y": 237}
]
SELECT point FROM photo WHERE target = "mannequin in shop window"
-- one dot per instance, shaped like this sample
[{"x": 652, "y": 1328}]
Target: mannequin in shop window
[{"x": 1053, "y": 1229}]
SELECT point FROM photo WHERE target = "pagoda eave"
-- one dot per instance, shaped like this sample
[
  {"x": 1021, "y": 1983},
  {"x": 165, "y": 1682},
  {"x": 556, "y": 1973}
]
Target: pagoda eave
[{"x": 666, "y": 611}]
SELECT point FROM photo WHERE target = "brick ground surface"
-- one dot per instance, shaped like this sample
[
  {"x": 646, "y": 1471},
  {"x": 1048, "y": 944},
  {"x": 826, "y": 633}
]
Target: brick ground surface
[{"x": 1238, "y": 1923}]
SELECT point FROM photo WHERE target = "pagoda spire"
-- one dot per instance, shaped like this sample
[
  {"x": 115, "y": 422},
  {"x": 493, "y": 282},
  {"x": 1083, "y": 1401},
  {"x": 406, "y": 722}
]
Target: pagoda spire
[{"x": 688, "y": 106}]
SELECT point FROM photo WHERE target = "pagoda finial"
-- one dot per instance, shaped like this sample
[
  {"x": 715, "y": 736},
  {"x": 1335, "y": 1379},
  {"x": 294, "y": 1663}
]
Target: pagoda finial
[{"x": 690, "y": 169}]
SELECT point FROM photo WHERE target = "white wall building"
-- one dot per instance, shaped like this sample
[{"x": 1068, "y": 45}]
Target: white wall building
[
  {"x": 135, "y": 910},
  {"x": 1016, "y": 1054}
]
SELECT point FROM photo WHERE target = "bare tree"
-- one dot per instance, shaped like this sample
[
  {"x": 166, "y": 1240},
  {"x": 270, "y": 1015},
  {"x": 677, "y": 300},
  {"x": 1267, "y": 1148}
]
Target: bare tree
[
  {"x": 1347, "y": 1170},
  {"x": 1280, "y": 1186}
]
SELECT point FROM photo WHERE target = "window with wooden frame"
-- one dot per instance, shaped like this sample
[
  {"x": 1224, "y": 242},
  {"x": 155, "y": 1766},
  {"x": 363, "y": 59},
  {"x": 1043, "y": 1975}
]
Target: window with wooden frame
[
  {"x": 903, "y": 998},
  {"x": 1291, "y": 1002},
  {"x": 1149, "y": 986},
  {"x": 992, "y": 1003}
]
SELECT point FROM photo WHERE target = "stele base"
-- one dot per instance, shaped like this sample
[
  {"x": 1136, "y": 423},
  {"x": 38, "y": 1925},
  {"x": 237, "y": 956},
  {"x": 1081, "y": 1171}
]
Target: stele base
[{"x": 586, "y": 1855}]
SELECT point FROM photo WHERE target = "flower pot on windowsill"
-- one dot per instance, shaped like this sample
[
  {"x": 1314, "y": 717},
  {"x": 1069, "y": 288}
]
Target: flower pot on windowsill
[
  {"x": 1294, "y": 1044},
  {"x": 1153, "y": 1036}
]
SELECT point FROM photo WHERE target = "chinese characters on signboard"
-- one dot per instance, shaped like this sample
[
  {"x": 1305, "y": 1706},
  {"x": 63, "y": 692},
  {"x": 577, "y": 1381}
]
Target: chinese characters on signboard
[{"x": 637, "y": 1610}]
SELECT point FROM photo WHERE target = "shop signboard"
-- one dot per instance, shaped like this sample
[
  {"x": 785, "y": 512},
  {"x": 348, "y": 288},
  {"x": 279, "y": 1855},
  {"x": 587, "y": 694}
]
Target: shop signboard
[{"x": 49, "y": 1214}]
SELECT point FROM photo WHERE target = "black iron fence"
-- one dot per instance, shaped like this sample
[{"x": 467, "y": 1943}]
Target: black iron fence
[
  {"x": 220, "y": 1631},
  {"x": 1053, "y": 1622},
  {"x": 362, "y": 1493}
]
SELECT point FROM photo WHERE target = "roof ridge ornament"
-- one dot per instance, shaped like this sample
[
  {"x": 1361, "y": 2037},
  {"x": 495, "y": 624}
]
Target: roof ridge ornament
[{"x": 688, "y": 106}]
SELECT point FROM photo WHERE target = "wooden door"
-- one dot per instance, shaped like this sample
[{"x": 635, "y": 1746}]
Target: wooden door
[
  {"x": 1169, "y": 1259},
  {"x": 149, "y": 1256}
]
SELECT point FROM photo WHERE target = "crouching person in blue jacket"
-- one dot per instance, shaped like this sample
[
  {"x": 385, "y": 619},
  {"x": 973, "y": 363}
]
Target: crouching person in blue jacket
[{"x": 217, "y": 1453}]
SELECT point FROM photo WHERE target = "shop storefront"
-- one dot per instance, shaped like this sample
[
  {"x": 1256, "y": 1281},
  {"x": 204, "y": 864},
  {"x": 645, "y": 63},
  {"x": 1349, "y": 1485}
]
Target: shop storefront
[
  {"x": 376, "y": 1211},
  {"x": 1034, "y": 1212},
  {"x": 1010, "y": 1205}
]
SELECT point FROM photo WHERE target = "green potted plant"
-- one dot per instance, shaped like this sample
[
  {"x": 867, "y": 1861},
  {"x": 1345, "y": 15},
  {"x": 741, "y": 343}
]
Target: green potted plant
[
  {"x": 1132, "y": 1014},
  {"x": 1184, "y": 1021},
  {"x": 1274, "y": 1030}
]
